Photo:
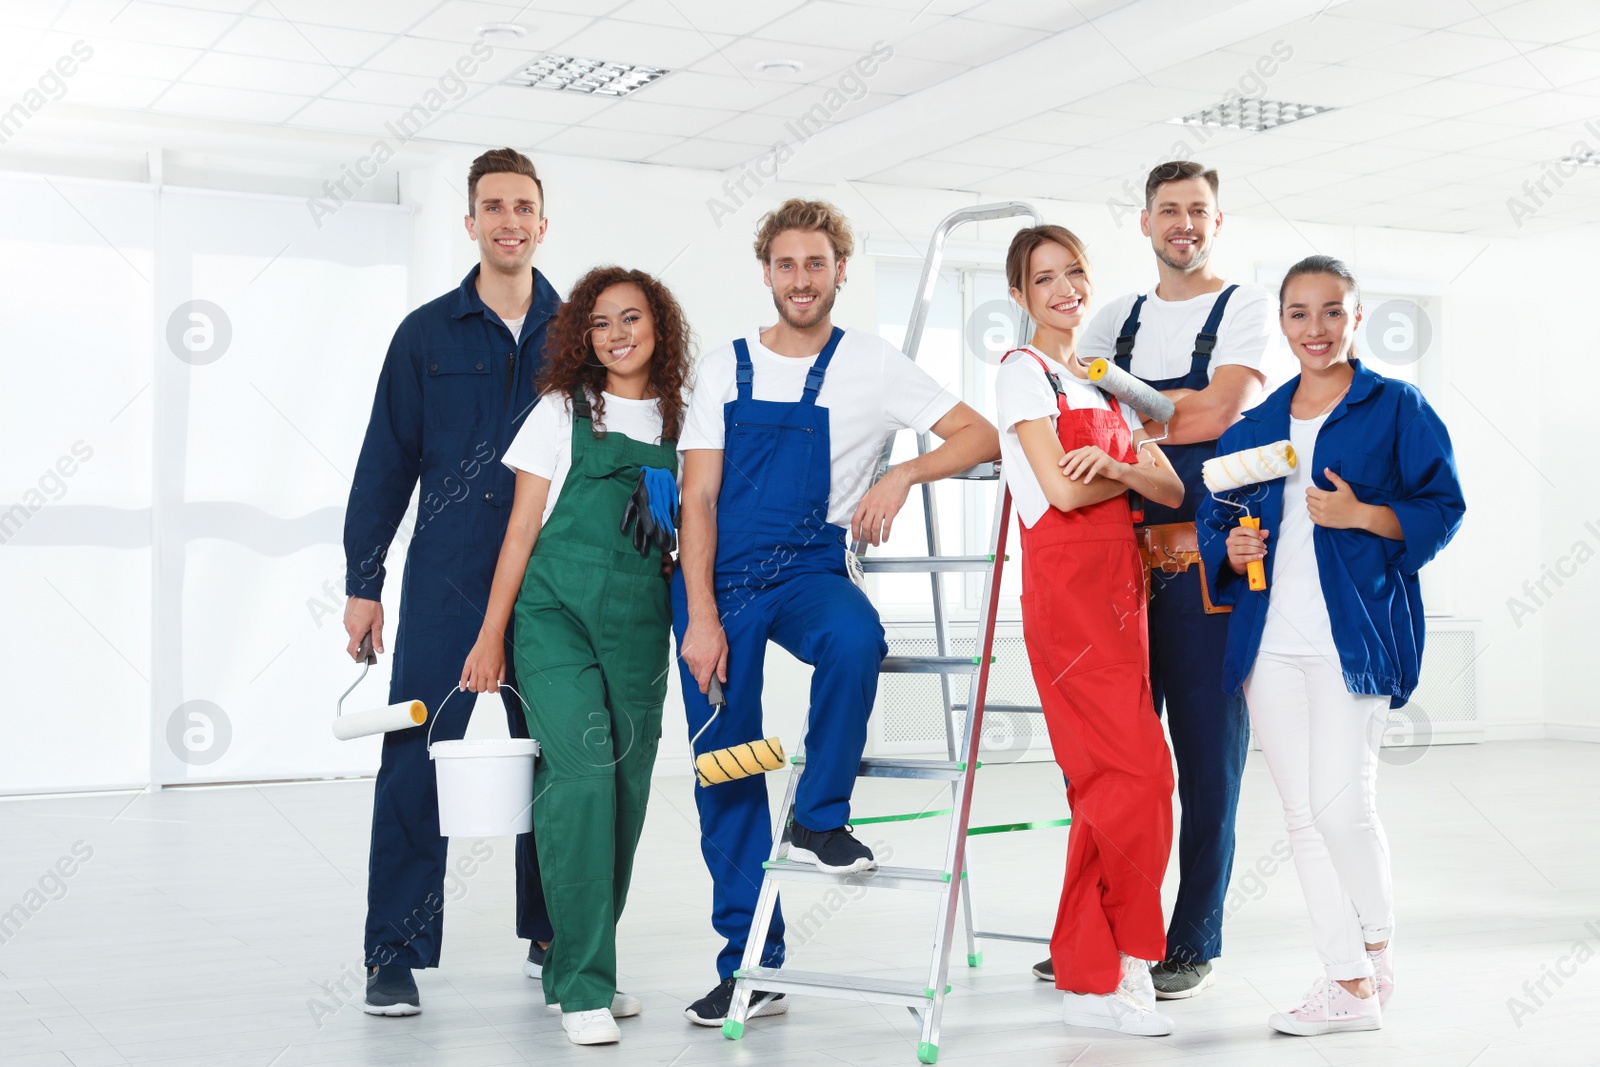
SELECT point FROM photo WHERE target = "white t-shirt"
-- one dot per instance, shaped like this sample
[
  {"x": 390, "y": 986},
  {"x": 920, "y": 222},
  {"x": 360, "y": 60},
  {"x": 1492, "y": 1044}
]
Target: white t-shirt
[
  {"x": 870, "y": 390},
  {"x": 1022, "y": 392},
  {"x": 544, "y": 444},
  {"x": 1297, "y": 614},
  {"x": 515, "y": 326},
  {"x": 1167, "y": 330}
]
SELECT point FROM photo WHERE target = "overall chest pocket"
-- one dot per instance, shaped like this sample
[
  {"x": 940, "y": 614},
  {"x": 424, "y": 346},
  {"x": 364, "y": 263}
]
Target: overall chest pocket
[
  {"x": 1375, "y": 476},
  {"x": 767, "y": 467},
  {"x": 457, "y": 389}
]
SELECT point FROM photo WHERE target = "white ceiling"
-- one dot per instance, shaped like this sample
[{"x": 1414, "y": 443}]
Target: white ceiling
[{"x": 1445, "y": 107}]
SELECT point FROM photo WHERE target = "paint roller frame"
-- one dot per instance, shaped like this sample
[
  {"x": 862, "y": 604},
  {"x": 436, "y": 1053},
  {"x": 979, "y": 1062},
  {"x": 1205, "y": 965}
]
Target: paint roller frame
[
  {"x": 367, "y": 657},
  {"x": 1256, "y": 570},
  {"x": 774, "y": 746}
]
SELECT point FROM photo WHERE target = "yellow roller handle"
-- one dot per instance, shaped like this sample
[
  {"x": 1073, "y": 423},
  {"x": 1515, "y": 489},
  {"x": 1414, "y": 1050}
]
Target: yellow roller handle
[
  {"x": 740, "y": 761},
  {"x": 1255, "y": 570}
]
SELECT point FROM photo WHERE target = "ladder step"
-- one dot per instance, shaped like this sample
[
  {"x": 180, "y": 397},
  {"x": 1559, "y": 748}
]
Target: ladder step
[
  {"x": 838, "y": 986},
  {"x": 989, "y": 705},
  {"x": 983, "y": 472},
  {"x": 929, "y": 664},
  {"x": 990, "y": 935},
  {"x": 923, "y": 564},
  {"x": 925, "y": 879},
  {"x": 879, "y": 767}
]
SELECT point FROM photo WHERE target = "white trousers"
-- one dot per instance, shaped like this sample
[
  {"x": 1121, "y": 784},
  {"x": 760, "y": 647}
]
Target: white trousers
[{"x": 1321, "y": 743}]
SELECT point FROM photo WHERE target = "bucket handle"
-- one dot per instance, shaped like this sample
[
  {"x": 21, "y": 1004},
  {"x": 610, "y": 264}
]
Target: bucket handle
[{"x": 452, "y": 692}]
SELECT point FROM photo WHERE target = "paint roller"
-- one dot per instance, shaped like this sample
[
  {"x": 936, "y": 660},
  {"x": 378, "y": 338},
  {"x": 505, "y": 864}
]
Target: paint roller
[
  {"x": 740, "y": 761},
  {"x": 1130, "y": 390},
  {"x": 1250, "y": 466},
  {"x": 401, "y": 716}
]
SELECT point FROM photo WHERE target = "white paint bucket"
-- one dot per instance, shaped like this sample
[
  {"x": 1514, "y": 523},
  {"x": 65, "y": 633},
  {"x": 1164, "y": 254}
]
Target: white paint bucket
[{"x": 485, "y": 784}]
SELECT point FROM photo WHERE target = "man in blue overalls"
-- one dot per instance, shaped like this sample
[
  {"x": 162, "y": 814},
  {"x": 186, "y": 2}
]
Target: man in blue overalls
[
  {"x": 782, "y": 438},
  {"x": 456, "y": 384},
  {"x": 1201, "y": 341}
]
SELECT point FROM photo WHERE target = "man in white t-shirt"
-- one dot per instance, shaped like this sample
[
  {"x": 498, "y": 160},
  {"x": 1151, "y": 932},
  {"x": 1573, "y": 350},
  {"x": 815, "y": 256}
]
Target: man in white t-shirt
[
  {"x": 782, "y": 439},
  {"x": 1201, "y": 340}
]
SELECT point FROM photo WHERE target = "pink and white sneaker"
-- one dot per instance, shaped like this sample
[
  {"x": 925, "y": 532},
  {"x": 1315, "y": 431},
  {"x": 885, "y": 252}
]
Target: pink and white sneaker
[
  {"x": 1329, "y": 1009},
  {"x": 1383, "y": 971}
]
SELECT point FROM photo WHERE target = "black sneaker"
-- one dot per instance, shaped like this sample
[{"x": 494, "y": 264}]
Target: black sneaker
[
  {"x": 1045, "y": 970},
  {"x": 834, "y": 851},
  {"x": 391, "y": 991},
  {"x": 533, "y": 966},
  {"x": 1178, "y": 980},
  {"x": 712, "y": 1009}
]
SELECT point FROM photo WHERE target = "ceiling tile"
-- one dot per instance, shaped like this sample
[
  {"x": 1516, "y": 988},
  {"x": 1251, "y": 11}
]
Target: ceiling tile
[
  {"x": 1064, "y": 128},
  {"x": 649, "y": 46},
  {"x": 485, "y": 130},
  {"x": 1459, "y": 167},
  {"x": 1338, "y": 85},
  {"x": 1095, "y": 162},
  {"x": 970, "y": 42},
  {"x": 605, "y": 144},
  {"x": 237, "y": 105},
  {"x": 1546, "y": 21},
  {"x": 1449, "y": 135},
  {"x": 1448, "y": 98},
  {"x": 274, "y": 38},
  {"x": 1426, "y": 14},
  {"x": 459, "y": 22},
  {"x": 427, "y": 59},
  {"x": 115, "y": 20},
  {"x": 743, "y": 59},
  {"x": 732, "y": 17},
  {"x": 903, "y": 75},
  {"x": 704, "y": 154},
  {"x": 346, "y": 116},
  {"x": 1052, "y": 18},
  {"x": 98, "y": 88},
  {"x": 929, "y": 174},
  {"x": 539, "y": 105},
  {"x": 853, "y": 27},
  {"x": 1325, "y": 38},
  {"x": 398, "y": 91},
  {"x": 641, "y": 116},
  {"x": 263, "y": 75},
  {"x": 995, "y": 152},
  {"x": 391, "y": 16},
  {"x": 1364, "y": 158},
  {"x": 1141, "y": 102},
  {"x": 1540, "y": 111},
  {"x": 694, "y": 89},
  {"x": 1437, "y": 55},
  {"x": 1220, "y": 73}
]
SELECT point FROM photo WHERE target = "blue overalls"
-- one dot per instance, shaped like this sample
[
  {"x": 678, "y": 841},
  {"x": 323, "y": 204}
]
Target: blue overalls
[
  {"x": 780, "y": 574},
  {"x": 1210, "y": 730},
  {"x": 452, "y": 394}
]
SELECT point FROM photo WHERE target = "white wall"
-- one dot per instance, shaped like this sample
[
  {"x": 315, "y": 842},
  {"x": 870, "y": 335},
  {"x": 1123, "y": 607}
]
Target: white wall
[{"x": 1500, "y": 310}]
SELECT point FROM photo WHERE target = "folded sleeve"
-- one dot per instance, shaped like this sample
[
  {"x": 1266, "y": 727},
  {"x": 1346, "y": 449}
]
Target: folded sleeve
[
  {"x": 1430, "y": 504},
  {"x": 1213, "y": 521}
]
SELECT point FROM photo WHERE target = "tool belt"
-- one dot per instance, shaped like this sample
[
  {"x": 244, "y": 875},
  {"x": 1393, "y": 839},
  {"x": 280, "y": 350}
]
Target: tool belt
[{"x": 1172, "y": 548}]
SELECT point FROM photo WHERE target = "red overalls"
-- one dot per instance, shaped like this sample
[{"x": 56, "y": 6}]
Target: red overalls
[{"x": 1083, "y": 620}]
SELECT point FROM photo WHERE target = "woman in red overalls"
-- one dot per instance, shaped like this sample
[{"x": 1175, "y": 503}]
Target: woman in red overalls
[{"x": 1070, "y": 454}]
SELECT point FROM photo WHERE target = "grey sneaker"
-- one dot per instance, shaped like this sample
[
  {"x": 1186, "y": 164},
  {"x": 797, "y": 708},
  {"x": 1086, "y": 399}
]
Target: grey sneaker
[
  {"x": 1178, "y": 980},
  {"x": 1045, "y": 970}
]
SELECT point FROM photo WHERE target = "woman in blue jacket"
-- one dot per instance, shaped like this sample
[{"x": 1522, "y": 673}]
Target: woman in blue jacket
[{"x": 1335, "y": 639}]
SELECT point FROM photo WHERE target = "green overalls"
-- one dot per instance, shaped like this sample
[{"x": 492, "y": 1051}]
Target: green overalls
[{"x": 593, "y": 625}]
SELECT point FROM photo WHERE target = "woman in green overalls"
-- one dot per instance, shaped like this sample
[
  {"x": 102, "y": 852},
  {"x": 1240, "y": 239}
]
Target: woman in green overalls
[{"x": 583, "y": 561}]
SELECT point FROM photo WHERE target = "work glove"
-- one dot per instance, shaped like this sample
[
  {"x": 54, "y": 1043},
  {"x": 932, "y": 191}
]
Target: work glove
[{"x": 651, "y": 515}]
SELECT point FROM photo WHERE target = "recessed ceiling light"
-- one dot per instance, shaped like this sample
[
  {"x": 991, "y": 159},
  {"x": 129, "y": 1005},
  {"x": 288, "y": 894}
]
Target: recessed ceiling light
[
  {"x": 1582, "y": 159},
  {"x": 595, "y": 76},
  {"x": 502, "y": 30},
  {"x": 780, "y": 66},
  {"x": 1247, "y": 113}
]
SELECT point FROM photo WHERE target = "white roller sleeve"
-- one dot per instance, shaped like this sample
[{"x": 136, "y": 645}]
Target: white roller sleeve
[
  {"x": 1130, "y": 390},
  {"x": 1248, "y": 467},
  {"x": 401, "y": 716}
]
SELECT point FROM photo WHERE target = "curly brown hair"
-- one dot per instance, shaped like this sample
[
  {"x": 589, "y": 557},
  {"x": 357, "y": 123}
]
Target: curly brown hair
[{"x": 569, "y": 358}]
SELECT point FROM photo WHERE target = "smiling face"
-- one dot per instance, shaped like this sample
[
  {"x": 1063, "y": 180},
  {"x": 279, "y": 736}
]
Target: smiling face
[
  {"x": 507, "y": 222},
  {"x": 804, "y": 276},
  {"x": 622, "y": 330},
  {"x": 1319, "y": 317},
  {"x": 1057, "y": 290},
  {"x": 1181, "y": 221}
]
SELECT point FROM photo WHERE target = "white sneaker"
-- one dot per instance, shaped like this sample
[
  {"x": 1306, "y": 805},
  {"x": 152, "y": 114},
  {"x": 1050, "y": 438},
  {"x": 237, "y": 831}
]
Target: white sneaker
[
  {"x": 1383, "y": 971},
  {"x": 1120, "y": 1011},
  {"x": 1329, "y": 1009},
  {"x": 622, "y": 1006},
  {"x": 590, "y": 1027},
  {"x": 1136, "y": 981}
]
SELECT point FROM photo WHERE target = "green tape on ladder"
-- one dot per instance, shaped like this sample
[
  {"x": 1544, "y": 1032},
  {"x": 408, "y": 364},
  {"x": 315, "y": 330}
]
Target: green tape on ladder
[
  {"x": 1008, "y": 827},
  {"x": 869, "y": 820}
]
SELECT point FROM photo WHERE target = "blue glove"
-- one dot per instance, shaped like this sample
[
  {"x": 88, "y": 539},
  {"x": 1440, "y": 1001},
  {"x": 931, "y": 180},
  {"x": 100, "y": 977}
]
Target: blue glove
[{"x": 663, "y": 490}]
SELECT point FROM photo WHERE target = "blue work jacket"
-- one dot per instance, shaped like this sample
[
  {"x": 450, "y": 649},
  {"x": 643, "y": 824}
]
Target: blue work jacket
[
  {"x": 454, "y": 389},
  {"x": 1391, "y": 447}
]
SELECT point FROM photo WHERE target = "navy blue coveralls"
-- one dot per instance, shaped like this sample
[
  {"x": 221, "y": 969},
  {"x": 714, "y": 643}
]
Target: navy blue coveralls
[
  {"x": 1210, "y": 730},
  {"x": 779, "y": 573},
  {"x": 454, "y": 389}
]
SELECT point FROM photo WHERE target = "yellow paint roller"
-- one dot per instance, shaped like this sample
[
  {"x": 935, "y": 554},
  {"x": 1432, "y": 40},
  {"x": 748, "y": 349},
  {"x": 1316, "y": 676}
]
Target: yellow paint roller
[
  {"x": 1131, "y": 391},
  {"x": 740, "y": 761},
  {"x": 401, "y": 716},
  {"x": 1249, "y": 466}
]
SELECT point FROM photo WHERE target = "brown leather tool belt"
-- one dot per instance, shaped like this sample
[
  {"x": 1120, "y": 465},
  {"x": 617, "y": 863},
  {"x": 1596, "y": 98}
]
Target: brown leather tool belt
[{"x": 1173, "y": 548}]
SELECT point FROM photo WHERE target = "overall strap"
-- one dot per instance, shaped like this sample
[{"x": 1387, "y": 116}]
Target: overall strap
[
  {"x": 580, "y": 406},
  {"x": 1206, "y": 340},
  {"x": 1055, "y": 383},
  {"x": 820, "y": 367},
  {"x": 744, "y": 372},
  {"x": 1130, "y": 327}
]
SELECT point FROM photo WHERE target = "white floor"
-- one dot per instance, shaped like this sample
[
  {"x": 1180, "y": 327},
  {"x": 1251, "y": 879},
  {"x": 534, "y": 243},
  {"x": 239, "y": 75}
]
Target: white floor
[{"x": 206, "y": 926}]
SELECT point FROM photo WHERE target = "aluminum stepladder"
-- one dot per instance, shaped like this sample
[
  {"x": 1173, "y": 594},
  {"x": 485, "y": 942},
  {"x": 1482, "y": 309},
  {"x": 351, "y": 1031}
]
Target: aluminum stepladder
[{"x": 924, "y": 1000}]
